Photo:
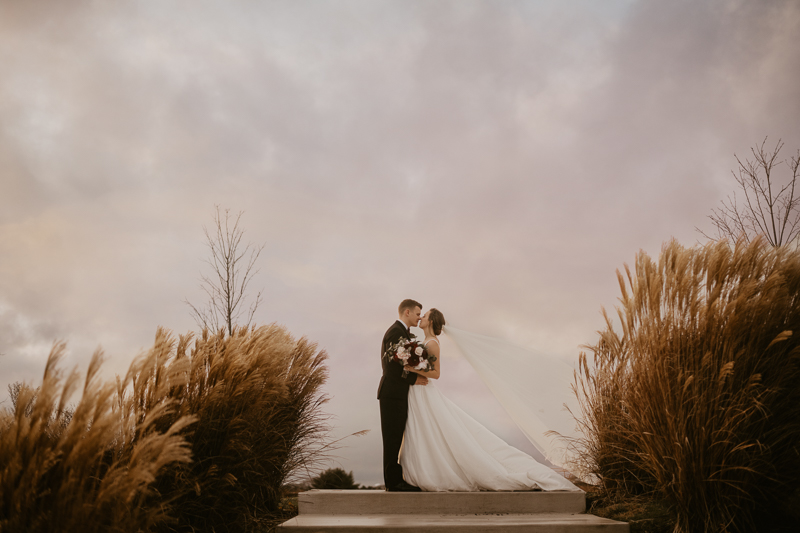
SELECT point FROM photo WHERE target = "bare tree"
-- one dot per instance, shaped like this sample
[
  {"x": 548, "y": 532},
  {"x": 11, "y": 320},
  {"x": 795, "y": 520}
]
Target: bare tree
[
  {"x": 233, "y": 269},
  {"x": 771, "y": 207}
]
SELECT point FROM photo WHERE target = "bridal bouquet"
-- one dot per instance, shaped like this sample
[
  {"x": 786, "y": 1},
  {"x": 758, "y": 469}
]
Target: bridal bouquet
[{"x": 411, "y": 353}]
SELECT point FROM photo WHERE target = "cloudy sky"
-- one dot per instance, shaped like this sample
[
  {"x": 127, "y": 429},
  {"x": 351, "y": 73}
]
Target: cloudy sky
[{"x": 498, "y": 160}]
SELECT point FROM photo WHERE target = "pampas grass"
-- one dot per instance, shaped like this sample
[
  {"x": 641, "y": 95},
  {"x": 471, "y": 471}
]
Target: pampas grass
[
  {"x": 199, "y": 436},
  {"x": 256, "y": 396},
  {"x": 85, "y": 469},
  {"x": 696, "y": 399}
]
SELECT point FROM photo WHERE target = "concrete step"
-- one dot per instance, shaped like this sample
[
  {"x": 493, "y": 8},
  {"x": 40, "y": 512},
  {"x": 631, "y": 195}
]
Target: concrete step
[
  {"x": 477, "y": 523},
  {"x": 378, "y": 502}
]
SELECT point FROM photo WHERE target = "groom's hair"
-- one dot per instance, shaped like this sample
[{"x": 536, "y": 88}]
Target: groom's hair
[{"x": 408, "y": 304}]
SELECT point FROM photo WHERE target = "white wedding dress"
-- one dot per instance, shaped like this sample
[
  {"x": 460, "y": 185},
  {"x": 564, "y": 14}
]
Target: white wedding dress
[{"x": 445, "y": 449}]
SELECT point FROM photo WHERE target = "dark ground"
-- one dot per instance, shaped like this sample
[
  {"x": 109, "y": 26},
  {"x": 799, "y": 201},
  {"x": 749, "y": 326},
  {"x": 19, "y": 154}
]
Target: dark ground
[{"x": 643, "y": 516}]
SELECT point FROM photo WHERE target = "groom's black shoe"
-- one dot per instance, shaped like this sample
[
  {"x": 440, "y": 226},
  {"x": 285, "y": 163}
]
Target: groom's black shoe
[{"x": 404, "y": 487}]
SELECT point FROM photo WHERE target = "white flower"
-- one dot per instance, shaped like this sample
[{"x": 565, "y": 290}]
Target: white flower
[{"x": 419, "y": 350}]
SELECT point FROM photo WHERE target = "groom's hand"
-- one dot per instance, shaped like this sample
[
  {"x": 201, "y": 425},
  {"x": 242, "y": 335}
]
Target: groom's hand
[{"x": 421, "y": 380}]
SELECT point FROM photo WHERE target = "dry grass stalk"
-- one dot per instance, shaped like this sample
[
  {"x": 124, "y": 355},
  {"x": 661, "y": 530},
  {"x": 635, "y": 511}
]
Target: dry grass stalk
[{"x": 696, "y": 399}]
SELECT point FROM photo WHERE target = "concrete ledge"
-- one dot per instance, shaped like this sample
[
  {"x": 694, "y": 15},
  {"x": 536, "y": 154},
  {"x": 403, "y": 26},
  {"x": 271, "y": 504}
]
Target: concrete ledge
[
  {"x": 373, "y": 502},
  {"x": 537, "y": 523}
]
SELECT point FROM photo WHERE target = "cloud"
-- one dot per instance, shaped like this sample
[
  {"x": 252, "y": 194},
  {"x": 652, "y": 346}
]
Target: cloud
[{"x": 497, "y": 160}]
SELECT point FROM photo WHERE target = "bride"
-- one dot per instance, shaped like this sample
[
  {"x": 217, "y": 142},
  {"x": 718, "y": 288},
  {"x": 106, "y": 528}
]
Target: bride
[{"x": 444, "y": 449}]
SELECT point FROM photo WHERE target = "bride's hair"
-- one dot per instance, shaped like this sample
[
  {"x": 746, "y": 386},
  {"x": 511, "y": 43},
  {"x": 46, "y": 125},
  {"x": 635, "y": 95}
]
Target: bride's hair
[{"x": 437, "y": 321}]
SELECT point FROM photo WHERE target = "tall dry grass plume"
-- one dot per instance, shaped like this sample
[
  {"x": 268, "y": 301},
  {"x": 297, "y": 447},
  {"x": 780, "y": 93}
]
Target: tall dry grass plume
[
  {"x": 199, "y": 436},
  {"x": 88, "y": 468},
  {"x": 256, "y": 396},
  {"x": 697, "y": 399}
]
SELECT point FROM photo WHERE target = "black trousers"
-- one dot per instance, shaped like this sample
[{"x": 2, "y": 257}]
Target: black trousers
[{"x": 394, "y": 413}]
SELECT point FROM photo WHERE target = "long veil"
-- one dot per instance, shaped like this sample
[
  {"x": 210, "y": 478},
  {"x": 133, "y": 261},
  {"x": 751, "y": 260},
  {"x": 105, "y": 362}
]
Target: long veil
[{"x": 535, "y": 389}]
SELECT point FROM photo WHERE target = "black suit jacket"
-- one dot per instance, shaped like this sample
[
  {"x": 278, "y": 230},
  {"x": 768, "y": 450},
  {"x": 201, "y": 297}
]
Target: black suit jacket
[{"x": 393, "y": 385}]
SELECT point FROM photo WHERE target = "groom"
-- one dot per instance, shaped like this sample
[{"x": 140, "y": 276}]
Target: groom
[{"x": 393, "y": 396}]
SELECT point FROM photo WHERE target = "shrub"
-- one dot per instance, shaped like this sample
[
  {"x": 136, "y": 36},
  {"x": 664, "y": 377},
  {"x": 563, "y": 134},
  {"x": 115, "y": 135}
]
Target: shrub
[
  {"x": 696, "y": 400},
  {"x": 334, "y": 478}
]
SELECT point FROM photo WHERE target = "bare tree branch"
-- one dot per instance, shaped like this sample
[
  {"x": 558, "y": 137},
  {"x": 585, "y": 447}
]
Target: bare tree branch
[
  {"x": 771, "y": 207},
  {"x": 233, "y": 268}
]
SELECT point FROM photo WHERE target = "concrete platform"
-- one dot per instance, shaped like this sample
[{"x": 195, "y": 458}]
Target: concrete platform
[
  {"x": 329, "y": 511},
  {"x": 516, "y": 523},
  {"x": 376, "y": 502}
]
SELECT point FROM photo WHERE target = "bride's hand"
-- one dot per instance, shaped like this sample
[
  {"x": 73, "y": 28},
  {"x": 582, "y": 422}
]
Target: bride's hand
[{"x": 421, "y": 378}]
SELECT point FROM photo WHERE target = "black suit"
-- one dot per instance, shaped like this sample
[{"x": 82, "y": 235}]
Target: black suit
[{"x": 393, "y": 396}]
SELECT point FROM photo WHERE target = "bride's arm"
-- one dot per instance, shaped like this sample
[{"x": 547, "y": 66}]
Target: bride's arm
[{"x": 433, "y": 353}]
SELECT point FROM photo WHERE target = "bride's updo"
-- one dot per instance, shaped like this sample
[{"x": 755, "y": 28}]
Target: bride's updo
[{"x": 437, "y": 321}]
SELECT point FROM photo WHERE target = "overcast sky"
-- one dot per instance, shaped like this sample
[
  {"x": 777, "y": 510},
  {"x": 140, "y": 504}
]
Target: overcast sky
[{"x": 497, "y": 160}]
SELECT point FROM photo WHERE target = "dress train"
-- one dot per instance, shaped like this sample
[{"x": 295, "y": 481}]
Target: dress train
[{"x": 445, "y": 449}]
